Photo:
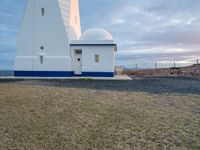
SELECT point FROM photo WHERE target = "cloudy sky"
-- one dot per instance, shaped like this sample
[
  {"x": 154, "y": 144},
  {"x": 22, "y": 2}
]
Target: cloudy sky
[{"x": 146, "y": 31}]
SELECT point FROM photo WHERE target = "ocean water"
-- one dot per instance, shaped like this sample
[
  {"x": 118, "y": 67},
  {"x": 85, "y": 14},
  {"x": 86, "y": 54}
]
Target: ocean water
[{"x": 6, "y": 73}]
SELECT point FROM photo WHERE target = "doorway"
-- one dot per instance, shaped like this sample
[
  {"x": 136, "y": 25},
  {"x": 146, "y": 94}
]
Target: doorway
[{"x": 77, "y": 62}]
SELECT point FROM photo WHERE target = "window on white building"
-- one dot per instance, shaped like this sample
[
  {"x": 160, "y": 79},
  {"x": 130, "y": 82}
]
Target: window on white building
[
  {"x": 97, "y": 58},
  {"x": 42, "y": 47},
  {"x": 42, "y": 11},
  {"x": 41, "y": 59},
  {"x": 78, "y": 51}
]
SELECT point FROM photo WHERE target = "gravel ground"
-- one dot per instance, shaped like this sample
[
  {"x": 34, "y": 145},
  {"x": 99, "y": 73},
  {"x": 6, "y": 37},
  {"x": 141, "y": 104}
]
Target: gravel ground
[
  {"x": 158, "y": 85},
  {"x": 143, "y": 114}
]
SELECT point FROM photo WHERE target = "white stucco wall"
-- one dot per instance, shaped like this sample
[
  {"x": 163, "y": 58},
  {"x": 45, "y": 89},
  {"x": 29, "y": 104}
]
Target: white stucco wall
[
  {"x": 25, "y": 45},
  {"x": 106, "y": 57},
  {"x": 51, "y": 31},
  {"x": 75, "y": 24}
]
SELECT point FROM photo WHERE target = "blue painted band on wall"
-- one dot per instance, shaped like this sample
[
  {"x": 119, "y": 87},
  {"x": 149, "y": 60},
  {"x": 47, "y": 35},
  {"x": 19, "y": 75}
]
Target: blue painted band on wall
[
  {"x": 43, "y": 73},
  {"x": 98, "y": 74},
  {"x": 60, "y": 74}
]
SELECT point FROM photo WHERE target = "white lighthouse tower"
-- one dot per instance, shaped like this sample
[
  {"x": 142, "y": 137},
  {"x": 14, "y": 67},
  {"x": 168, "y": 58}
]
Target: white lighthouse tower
[
  {"x": 47, "y": 28},
  {"x": 50, "y": 43}
]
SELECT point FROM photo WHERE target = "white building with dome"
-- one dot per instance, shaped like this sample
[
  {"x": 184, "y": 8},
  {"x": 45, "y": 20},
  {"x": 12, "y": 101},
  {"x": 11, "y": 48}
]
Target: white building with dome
[{"x": 50, "y": 43}]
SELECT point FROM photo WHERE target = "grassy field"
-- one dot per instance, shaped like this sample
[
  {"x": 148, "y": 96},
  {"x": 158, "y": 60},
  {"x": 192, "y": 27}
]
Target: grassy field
[{"x": 144, "y": 114}]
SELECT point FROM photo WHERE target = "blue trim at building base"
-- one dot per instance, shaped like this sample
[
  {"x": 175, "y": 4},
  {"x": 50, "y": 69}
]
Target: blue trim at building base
[
  {"x": 43, "y": 73},
  {"x": 98, "y": 74},
  {"x": 60, "y": 74}
]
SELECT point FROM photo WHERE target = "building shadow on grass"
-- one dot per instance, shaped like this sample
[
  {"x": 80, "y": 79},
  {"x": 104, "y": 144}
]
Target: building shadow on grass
[{"x": 158, "y": 85}]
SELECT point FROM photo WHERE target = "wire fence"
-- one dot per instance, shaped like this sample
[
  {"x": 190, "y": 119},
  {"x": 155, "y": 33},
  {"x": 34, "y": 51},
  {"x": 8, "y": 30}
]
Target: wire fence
[{"x": 158, "y": 65}]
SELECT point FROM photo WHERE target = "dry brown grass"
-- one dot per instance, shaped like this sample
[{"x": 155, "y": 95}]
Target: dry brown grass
[
  {"x": 38, "y": 117},
  {"x": 189, "y": 71}
]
